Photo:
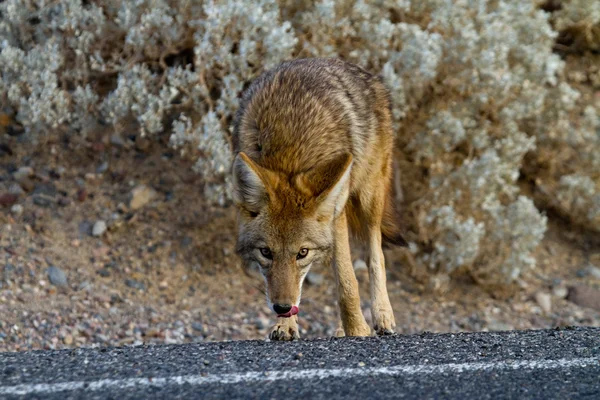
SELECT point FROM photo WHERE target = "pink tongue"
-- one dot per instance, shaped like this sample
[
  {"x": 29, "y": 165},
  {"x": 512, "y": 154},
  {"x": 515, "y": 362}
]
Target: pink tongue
[{"x": 288, "y": 314}]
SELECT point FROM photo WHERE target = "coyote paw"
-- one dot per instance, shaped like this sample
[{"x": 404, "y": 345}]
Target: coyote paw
[
  {"x": 383, "y": 322},
  {"x": 285, "y": 330}
]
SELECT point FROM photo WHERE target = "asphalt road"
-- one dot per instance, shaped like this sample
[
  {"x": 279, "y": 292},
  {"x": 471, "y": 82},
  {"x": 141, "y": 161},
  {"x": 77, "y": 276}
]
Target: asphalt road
[{"x": 561, "y": 364}]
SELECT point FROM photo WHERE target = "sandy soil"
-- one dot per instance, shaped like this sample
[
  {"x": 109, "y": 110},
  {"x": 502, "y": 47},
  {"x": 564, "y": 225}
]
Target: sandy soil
[{"x": 166, "y": 272}]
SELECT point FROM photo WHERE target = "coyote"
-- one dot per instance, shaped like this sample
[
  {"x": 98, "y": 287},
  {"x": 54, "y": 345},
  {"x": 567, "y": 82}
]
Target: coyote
[{"x": 313, "y": 148}]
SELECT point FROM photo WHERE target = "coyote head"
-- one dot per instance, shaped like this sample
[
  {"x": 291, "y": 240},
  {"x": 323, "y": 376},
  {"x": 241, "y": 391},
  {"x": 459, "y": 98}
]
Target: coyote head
[{"x": 286, "y": 222}]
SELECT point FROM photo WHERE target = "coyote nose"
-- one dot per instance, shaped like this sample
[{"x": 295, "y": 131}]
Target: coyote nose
[{"x": 282, "y": 308}]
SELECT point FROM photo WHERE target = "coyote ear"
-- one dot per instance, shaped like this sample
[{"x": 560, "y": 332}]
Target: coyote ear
[
  {"x": 333, "y": 199},
  {"x": 249, "y": 190}
]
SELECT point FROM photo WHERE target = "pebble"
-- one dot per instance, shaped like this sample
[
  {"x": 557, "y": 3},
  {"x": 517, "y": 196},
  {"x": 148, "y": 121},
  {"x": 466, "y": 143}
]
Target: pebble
[
  {"x": 593, "y": 271},
  {"x": 544, "y": 301},
  {"x": 140, "y": 196},
  {"x": 360, "y": 265},
  {"x": 560, "y": 291},
  {"x": 117, "y": 140},
  {"x": 17, "y": 209},
  {"x": 81, "y": 195},
  {"x": 42, "y": 200},
  {"x": 16, "y": 189},
  {"x": 57, "y": 276},
  {"x": 85, "y": 227},
  {"x": 99, "y": 228},
  {"x": 134, "y": 284},
  {"x": 7, "y": 199},
  {"x": 197, "y": 326},
  {"x": 102, "y": 167},
  {"x": 105, "y": 273},
  {"x": 22, "y": 173},
  {"x": 46, "y": 189},
  {"x": 314, "y": 278}
]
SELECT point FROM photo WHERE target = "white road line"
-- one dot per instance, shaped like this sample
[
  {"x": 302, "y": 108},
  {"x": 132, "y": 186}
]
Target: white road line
[{"x": 227, "y": 379}]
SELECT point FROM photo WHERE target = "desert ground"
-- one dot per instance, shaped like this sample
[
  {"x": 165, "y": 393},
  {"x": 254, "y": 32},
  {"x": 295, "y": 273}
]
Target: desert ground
[{"x": 107, "y": 241}]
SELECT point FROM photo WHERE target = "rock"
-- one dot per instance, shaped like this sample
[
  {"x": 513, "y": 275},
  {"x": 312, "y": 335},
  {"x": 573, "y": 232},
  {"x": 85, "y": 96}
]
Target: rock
[
  {"x": 64, "y": 201},
  {"x": 57, "y": 276},
  {"x": 314, "y": 278},
  {"x": 81, "y": 195},
  {"x": 85, "y": 227},
  {"x": 140, "y": 196},
  {"x": 593, "y": 271},
  {"x": 560, "y": 291},
  {"x": 360, "y": 265},
  {"x": 544, "y": 301},
  {"x": 102, "y": 167},
  {"x": 117, "y": 140},
  {"x": 16, "y": 189},
  {"x": 99, "y": 228},
  {"x": 22, "y": 173},
  {"x": 105, "y": 273},
  {"x": 42, "y": 200},
  {"x": 68, "y": 340},
  {"x": 46, "y": 189},
  {"x": 134, "y": 284},
  {"x": 197, "y": 326},
  {"x": 17, "y": 209},
  {"x": 7, "y": 199},
  {"x": 584, "y": 296}
]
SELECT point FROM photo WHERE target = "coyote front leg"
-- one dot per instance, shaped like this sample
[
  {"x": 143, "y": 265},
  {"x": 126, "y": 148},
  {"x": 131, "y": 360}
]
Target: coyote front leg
[
  {"x": 351, "y": 314},
  {"x": 384, "y": 322}
]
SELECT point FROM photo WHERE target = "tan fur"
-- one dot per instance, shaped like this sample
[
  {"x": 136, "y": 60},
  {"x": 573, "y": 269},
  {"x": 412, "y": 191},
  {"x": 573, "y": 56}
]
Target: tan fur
[{"x": 313, "y": 143}]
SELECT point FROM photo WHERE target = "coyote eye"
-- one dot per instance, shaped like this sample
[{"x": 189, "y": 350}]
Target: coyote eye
[
  {"x": 302, "y": 253},
  {"x": 266, "y": 253}
]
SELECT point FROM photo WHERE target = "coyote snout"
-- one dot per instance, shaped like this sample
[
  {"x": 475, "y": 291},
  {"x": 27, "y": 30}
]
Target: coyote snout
[{"x": 313, "y": 146}]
